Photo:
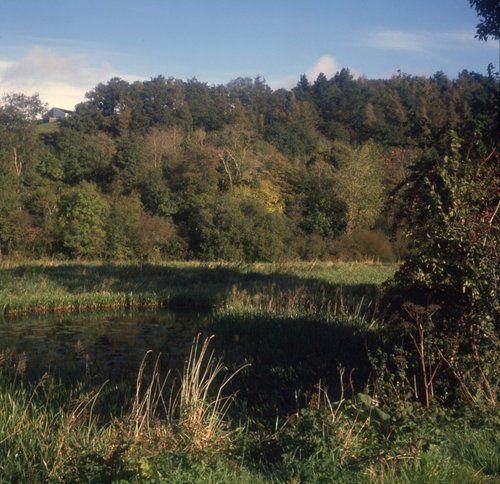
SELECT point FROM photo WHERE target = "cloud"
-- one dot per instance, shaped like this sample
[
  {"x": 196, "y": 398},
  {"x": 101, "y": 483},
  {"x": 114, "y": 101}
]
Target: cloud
[
  {"x": 4, "y": 64},
  {"x": 397, "y": 40},
  {"x": 462, "y": 38},
  {"x": 326, "y": 65},
  {"x": 418, "y": 41},
  {"x": 61, "y": 79}
]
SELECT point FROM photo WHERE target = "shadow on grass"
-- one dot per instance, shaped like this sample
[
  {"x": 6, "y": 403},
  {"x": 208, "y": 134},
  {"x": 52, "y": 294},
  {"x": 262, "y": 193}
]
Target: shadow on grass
[
  {"x": 290, "y": 359},
  {"x": 183, "y": 286},
  {"x": 289, "y": 355}
]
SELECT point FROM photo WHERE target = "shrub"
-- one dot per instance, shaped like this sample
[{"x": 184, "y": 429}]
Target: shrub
[
  {"x": 365, "y": 243},
  {"x": 452, "y": 221}
]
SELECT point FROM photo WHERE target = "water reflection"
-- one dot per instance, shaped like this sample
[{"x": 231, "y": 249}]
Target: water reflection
[{"x": 109, "y": 344}]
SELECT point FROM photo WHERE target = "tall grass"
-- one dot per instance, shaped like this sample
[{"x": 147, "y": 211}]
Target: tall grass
[
  {"x": 179, "y": 430},
  {"x": 192, "y": 416},
  {"x": 313, "y": 300},
  {"x": 75, "y": 286},
  {"x": 41, "y": 440},
  {"x": 37, "y": 438}
]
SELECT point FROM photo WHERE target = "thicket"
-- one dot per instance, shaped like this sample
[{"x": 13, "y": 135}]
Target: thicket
[
  {"x": 171, "y": 169},
  {"x": 442, "y": 305}
]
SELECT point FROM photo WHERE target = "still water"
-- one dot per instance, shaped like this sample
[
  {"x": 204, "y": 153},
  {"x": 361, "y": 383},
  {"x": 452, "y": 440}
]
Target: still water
[{"x": 109, "y": 344}]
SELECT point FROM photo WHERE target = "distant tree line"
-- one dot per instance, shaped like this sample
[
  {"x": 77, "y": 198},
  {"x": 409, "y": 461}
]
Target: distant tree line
[{"x": 171, "y": 169}]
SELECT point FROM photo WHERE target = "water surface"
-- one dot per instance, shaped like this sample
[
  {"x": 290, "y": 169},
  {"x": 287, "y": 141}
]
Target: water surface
[{"x": 109, "y": 344}]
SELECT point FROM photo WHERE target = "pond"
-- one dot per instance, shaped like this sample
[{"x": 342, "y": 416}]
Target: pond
[{"x": 108, "y": 344}]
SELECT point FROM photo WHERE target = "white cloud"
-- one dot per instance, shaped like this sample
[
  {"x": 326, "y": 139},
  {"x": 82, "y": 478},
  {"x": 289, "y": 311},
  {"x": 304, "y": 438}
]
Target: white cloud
[
  {"x": 61, "y": 79},
  {"x": 462, "y": 38},
  {"x": 326, "y": 65},
  {"x": 420, "y": 41},
  {"x": 398, "y": 40},
  {"x": 4, "y": 64}
]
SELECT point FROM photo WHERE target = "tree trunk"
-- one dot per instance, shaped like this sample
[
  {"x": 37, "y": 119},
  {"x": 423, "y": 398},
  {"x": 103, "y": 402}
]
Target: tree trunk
[{"x": 18, "y": 164}]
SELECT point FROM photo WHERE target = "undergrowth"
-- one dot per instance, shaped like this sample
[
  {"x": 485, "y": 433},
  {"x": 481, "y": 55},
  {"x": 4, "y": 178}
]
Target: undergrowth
[{"x": 193, "y": 427}]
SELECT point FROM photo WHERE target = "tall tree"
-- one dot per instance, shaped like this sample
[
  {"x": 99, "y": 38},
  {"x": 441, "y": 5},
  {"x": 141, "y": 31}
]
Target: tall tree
[
  {"x": 359, "y": 184},
  {"x": 83, "y": 213},
  {"x": 18, "y": 115}
]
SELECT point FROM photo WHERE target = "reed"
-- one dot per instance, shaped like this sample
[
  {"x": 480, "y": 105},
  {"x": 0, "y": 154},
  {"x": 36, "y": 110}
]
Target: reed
[{"x": 191, "y": 415}]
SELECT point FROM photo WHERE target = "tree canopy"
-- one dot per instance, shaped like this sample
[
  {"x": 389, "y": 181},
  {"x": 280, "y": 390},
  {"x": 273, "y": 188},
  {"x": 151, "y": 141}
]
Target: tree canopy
[
  {"x": 209, "y": 167},
  {"x": 489, "y": 14}
]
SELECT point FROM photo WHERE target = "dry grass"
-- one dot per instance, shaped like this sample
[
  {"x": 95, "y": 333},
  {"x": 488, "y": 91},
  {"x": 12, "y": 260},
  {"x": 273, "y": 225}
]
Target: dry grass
[{"x": 192, "y": 416}]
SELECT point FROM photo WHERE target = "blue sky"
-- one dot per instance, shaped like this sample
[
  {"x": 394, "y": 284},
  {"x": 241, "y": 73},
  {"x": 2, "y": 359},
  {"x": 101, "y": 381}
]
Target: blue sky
[{"x": 63, "y": 48}]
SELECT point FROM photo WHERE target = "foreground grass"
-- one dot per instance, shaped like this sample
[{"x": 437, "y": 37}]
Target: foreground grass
[
  {"x": 57, "y": 286},
  {"x": 153, "y": 431}
]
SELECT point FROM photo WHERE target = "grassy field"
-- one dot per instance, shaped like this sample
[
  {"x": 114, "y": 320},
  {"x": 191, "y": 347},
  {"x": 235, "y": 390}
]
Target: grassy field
[
  {"x": 47, "y": 128},
  {"x": 279, "y": 388},
  {"x": 57, "y": 286}
]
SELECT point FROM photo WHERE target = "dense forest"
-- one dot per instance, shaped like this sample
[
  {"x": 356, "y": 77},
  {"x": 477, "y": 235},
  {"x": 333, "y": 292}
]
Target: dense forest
[{"x": 172, "y": 169}]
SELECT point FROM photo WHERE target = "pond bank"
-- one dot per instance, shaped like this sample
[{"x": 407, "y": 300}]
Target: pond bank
[{"x": 30, "y": 287}]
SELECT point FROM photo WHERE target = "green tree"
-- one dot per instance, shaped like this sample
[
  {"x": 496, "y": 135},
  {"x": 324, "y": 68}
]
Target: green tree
[
  {"x": 11, "y": 214},
  {"x": 115, "y": 101},
  {"x": 85, "y": 157},
  {"x": 128, "y": 163},
  {"x": 291, "y": 127},
  {"x": 229, "y": 227},
  {"x": 162, "y": 104},
  {"x": 489, "y": 13},
  {"x": 83, "y": 213},
  {"x": 86, "y": 118},
  {"x": 157, "y": 197},
  {"x": 20, "y": 152},
  {"x": 123, "y": 239},
  {"x": 208, "y": 108},
  {"x": 254, "y": 96},
  {"x": 18, "y": 116},
  {"x": 324, "y": 211},
  {"x": 41, "y": 202}
]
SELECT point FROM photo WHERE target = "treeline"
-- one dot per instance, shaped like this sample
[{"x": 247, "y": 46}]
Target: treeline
[{"x": 171, "y": 169}]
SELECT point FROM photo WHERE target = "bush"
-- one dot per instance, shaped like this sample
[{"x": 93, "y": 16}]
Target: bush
[
  {"x": 444, "y": 296},
  {"x": 362, "y": 244},
  {"x": 234, "y": 229}
]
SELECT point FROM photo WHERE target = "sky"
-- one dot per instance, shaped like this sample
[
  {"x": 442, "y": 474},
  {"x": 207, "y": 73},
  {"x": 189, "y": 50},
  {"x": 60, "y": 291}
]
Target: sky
[{"x": 63, "y": 48}]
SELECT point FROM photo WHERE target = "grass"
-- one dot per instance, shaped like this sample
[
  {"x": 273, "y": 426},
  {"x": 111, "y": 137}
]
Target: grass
[
  {"x": 194, "y": 413},
  {"x": 47, "y": 128},
  {"x": 180, "y": 430},
  {"x": 277, "y": 389},
  {"x": 67, "y": 286}
]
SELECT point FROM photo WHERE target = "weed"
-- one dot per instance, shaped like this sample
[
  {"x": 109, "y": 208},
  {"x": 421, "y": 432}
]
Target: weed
[{"x": 192, "y": 417}]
